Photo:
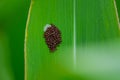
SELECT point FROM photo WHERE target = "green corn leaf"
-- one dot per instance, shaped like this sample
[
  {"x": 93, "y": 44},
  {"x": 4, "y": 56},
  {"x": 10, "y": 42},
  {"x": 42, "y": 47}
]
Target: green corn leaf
[{"x": 90, "y": 40}]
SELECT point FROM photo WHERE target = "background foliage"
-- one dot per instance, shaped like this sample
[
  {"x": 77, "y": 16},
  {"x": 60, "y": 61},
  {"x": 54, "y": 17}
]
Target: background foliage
[{"x": 13, "y": 16}]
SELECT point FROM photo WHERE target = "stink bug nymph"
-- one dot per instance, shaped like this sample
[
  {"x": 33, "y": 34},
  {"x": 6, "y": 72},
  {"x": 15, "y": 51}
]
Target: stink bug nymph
[{"x": 52, "y": 36}]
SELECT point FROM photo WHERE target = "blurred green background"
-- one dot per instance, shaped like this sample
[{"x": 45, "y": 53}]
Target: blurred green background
[
  {"x": 13, "y": 16},
  {"x": 118, "y": 7}
]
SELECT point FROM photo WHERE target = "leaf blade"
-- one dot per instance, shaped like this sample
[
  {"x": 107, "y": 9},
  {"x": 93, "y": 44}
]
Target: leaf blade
[{"x": 38, "y": 56}]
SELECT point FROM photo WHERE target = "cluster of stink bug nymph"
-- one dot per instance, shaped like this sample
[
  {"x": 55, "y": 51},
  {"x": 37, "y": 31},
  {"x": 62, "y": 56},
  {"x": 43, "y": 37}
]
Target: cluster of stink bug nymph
[{"x": 52, "y": 37}]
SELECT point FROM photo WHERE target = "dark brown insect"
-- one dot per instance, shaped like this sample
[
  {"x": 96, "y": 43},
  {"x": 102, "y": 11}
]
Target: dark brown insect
[{"x": 52, "y": 37}]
